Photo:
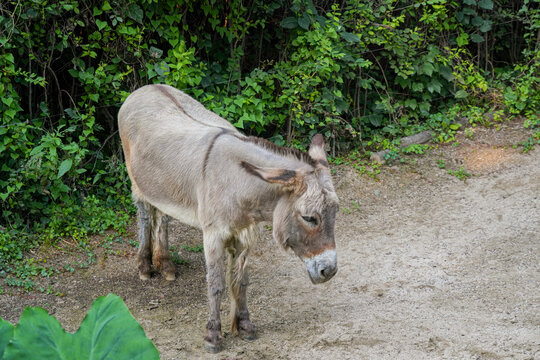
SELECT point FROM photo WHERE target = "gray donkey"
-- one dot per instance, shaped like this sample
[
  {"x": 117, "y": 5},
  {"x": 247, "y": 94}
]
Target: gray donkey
[{"x": 186, "y": 162}]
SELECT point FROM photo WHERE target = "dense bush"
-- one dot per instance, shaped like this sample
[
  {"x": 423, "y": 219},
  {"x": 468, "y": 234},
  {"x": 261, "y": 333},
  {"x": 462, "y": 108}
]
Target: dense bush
[{"x": 359, "y": 71}]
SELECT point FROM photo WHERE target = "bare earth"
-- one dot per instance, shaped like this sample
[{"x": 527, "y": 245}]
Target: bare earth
[{"x": 430, "y": 267}]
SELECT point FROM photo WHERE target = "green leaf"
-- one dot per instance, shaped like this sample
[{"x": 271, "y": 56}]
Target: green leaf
[
  {"x": 477, "y": 21},
  {"x": 6, "y": 330},
  {"x": 469, "y": 11},
  {"x": 350, "y": 37},
  {"x": 155, "y": 52},
  {"x": 428, "y": 68},
  {"x": 461, "y": 94},
  {"x": 135, "y": 12},
  {"x": 7, "y": 100},
  {"x": 462, "y": 39},
  {"x": 477, "y": 38},
  {"x": 304, "y": 21},
  {"x": 485, "y": 4},
  {"x": 424, "y": 107},
  {"x": 434, "y": 86},
  {"x": 39, "y": 336},
  {"x": 418, "y": 86},
  {"x": 161, "y": 68},
  {"x": 289, "y": 23},
  {"x": 469, "y": 2},
  {"x": 114, "y": 332},
  {"x": 100, "y": 24},
  {"x": 64, "y": 167},
  {"x": 411, "y": 104},
  {"x": 486, "y": 26},
  {"x": 446, "y": 73},
  {"x": 106, "y": 6},
  {"x": 108, "y": 331}
]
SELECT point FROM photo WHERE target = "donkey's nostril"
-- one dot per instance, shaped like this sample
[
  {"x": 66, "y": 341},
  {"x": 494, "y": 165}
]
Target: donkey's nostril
[{"x": 328, "y": 271}]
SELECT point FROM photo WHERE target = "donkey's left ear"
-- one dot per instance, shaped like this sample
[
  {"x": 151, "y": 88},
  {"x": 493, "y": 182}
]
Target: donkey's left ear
[
  {"x": 291, "y": 179},
  {"x": 316, "y": 151}
]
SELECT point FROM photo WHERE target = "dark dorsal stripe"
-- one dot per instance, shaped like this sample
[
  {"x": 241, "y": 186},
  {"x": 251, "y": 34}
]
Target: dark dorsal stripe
[
  {"x": 209, "y": 149},
  {"x": 175, "y": 101}
]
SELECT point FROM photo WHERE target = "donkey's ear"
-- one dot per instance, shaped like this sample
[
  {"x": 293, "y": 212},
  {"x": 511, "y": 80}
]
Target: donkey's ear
[
  {"x": 316, "y": 151},
  {"x": 289, "y": 178}
]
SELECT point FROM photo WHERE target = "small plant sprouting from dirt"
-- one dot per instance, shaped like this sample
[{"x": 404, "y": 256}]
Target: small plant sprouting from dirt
[
  {"x": 195, "y": 248},
  {"x": 461, "y": 174},
  {"x": 441, "y": 164},
  {"x": 175, "y": 256},
  {"x": 528, "y": 144},
  {"x": 356, "y": 160}
]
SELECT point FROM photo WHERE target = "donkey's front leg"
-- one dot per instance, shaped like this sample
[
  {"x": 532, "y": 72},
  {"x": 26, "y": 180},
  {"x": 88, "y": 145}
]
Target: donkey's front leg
[{"x": 213, "y": 252}]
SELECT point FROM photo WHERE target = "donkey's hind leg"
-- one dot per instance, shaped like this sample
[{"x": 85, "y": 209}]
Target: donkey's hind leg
[
  {"x": 144, "y": 256},
  {"x": 160, "y": 251},
  {"x": 238, "y": 283}
]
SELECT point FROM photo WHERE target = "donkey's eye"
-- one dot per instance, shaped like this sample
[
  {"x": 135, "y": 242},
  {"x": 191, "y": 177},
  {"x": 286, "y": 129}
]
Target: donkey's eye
[{"x": 311, "y": 220}]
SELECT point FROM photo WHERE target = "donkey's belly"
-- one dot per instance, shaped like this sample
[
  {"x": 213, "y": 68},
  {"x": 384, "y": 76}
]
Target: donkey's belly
[{"x": 187, "y": 215}]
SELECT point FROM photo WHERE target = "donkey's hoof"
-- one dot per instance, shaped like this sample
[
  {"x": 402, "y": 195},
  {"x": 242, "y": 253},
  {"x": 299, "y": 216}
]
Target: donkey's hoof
[
  {"x": 212, "y": 348},
  {"x": 213, "y": 338},
  {"x": 144, "y": 276},
  {"x": 247, "y": 331},
  {"x": 249, "y": 336},
  {"x": 169, "y": 276}
]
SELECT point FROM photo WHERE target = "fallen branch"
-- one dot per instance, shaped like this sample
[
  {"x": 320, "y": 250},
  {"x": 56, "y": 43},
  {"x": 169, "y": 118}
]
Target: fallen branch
[{"x": 419, "y": 138}]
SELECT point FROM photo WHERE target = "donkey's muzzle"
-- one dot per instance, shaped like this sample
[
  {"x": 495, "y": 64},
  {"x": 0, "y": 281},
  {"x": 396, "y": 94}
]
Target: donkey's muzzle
[{"x": 322, "y": 267}]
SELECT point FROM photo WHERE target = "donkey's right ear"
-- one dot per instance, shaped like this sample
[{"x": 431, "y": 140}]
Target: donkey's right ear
[
  {"x": 317, "y": 152},
  {"x": 289, "y": 178}
]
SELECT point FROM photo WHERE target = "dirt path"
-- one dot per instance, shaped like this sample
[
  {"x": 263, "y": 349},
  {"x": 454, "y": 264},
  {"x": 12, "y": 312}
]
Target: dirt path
[{"x": 430, "y": 267}]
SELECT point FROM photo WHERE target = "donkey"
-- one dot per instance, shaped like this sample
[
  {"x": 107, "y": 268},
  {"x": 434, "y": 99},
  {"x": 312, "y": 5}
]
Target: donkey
[{"x": 188, "y": 163}]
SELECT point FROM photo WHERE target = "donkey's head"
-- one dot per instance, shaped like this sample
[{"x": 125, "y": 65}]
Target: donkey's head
[{"x": 304, "y": 216}]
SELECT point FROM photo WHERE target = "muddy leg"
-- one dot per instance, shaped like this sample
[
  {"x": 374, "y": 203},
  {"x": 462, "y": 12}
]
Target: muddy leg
[
  {"x": 144, "y": 256},
  {"x": 238, "y": 281},
  {"x": 213, "y": 252},
  {"x": 160, "y": 252}
]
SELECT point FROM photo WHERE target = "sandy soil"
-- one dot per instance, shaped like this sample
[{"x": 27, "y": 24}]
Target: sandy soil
[{"x": 430, "y": 267}]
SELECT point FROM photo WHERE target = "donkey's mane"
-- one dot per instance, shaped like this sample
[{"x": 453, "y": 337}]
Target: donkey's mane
[{"x": 279, "y": 150}]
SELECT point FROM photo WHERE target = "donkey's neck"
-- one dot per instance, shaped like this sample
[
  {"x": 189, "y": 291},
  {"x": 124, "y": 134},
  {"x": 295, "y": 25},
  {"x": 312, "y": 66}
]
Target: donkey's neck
[{"x": 258, "y": 197}]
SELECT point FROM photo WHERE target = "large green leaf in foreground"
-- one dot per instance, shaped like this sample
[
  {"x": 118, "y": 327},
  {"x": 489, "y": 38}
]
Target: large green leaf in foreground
[
  {"x": 6, "y": 333},
  {"x": 108, "y": 331}
]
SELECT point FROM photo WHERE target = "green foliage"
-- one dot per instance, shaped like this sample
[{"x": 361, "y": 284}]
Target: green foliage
[
  {"x": 533, "y": 123},
  {"x": 461, "y": 173},
  {"x": 441, "y": 164},
  {"x": 196, "y": 248},
  {"x": 108, "y": 331}
]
